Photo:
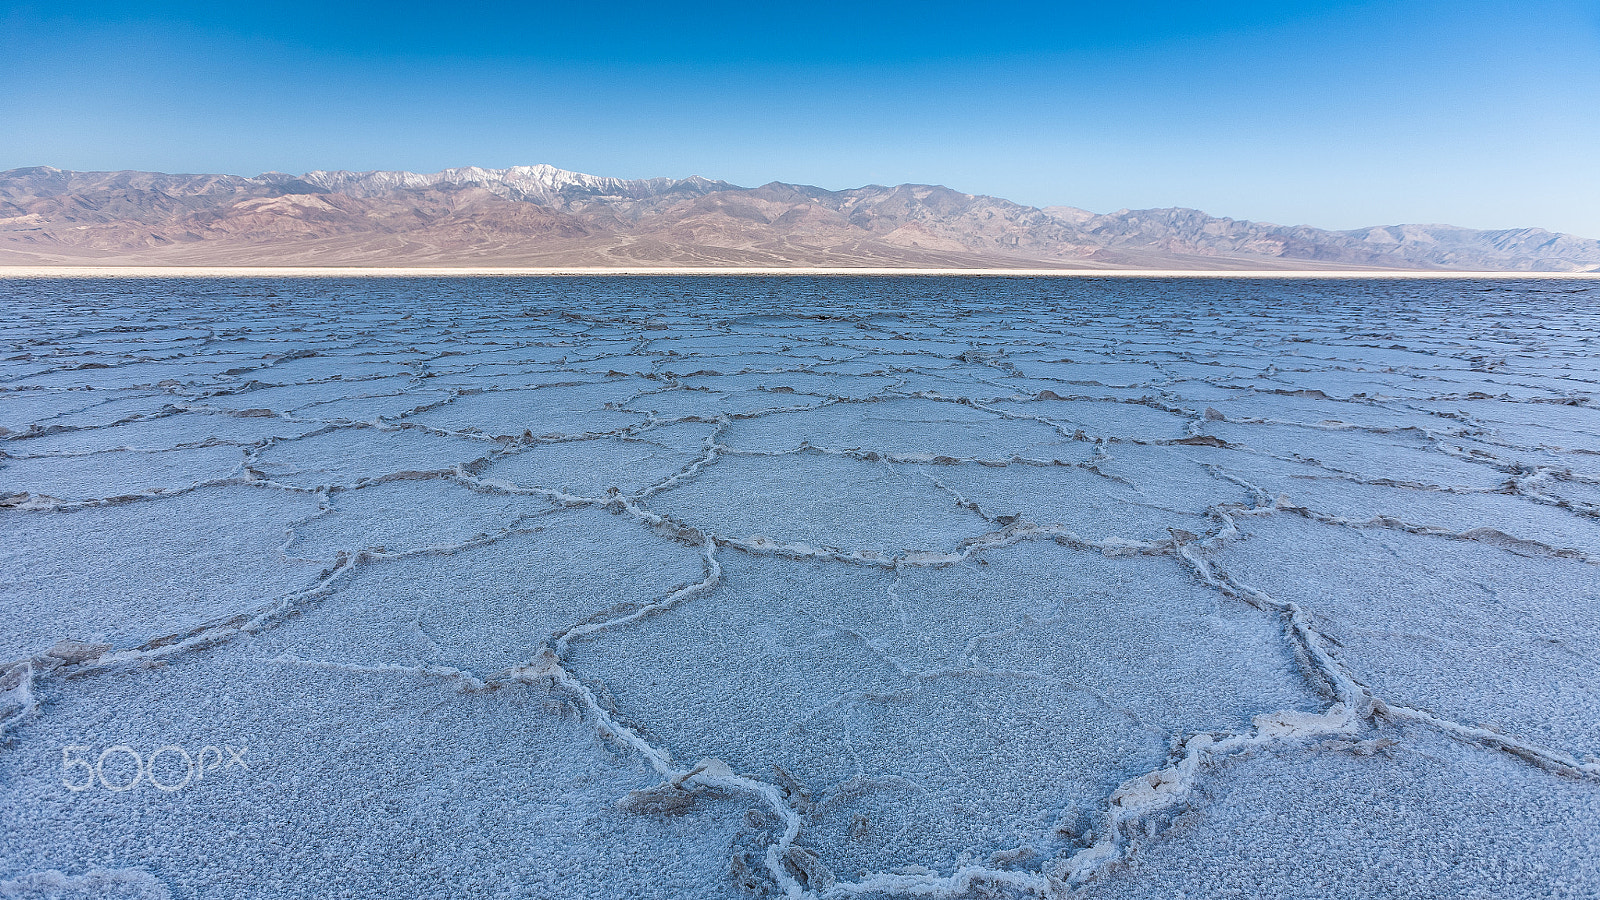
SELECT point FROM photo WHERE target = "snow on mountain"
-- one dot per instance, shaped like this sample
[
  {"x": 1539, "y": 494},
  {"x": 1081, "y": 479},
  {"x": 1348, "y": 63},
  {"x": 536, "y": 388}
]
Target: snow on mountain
[
  {"x": 541, "y": 183},
  {"x": 545, "y": 215}
]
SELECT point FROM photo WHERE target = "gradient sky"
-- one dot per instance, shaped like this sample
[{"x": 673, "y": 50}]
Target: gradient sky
[{"x": 1336, "y": 114}]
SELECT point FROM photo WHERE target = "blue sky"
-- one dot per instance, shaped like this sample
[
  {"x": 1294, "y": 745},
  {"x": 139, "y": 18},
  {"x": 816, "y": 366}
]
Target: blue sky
[{"x": 1337, "y": 114}]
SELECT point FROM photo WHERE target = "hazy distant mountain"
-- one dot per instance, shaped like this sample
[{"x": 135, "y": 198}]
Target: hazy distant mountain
[
  {"x": 544, "y": 216},
  {"x": 544, "y": 185}
]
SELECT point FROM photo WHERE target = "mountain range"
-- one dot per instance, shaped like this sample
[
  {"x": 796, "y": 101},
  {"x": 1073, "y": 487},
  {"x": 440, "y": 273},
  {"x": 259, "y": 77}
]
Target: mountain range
[{"x": 545, "y": 216}]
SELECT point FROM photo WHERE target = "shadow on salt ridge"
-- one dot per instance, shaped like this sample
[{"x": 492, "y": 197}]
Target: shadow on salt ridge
[
  {"x": 128, "y": 573},
  {"x": 1443, "y": 625},
  {"x": 948, "y": 714},
  {"x": 371, "y": 784}
]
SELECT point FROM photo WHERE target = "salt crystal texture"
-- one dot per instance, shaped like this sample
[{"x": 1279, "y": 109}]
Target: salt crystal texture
[{"x": 830, "y": 587}]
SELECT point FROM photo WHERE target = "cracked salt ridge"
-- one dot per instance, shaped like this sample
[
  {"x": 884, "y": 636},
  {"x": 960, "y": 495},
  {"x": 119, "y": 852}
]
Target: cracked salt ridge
[
  {"x": 47, "y": 410},
  {"x": 1408, "y": 457},
  {"x": 560, "y": 409},
  {"x": 1336, "y": 499},
  {"x": 1582, "y": 497},
  {"x": 820, "y": 636},
  {"x": 351, "y": 456},
  {"x": 907, "y": 428},
  {"x": 791, "y": 861},
  {"x": 591, "y": 468},
  {"x": 117, "y": 473},
  {"x": 1581, "y": 466},
  {"x": 1451, "y": 660},
  {"x": 519, "y": 793},
  {"x": 482, "y": 609},
  {"x": 95, "y": 884},
  {"x": 285, "y": 399},
  {"x": 1306, "y": 824},
  {"x": 173, "y": 433},
  {"x": 800, "y": 383},
  {"x": 403, "y": 515},
  {"x": 1312, "y": 411},
  {"x": 824, "y": 501},
  {"x": 710, "y": 405},
  {"x": 130, "y": 572}
]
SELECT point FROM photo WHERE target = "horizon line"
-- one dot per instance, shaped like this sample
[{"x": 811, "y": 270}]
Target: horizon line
[{"x": 36, "y": 271}]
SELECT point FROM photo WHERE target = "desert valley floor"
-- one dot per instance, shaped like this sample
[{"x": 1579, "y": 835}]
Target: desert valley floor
[{"x": 722, "y": 587}]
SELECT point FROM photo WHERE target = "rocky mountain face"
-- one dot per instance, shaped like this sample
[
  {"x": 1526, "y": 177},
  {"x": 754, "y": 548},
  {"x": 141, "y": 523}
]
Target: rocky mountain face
[{"x": 544, "y": 216}]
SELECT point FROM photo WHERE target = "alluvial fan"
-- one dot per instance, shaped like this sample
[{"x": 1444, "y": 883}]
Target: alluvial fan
[{"x": 718, "y": 587}]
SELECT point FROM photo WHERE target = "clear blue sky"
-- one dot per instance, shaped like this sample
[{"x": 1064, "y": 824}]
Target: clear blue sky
[{"x": 1328, "y": 113}]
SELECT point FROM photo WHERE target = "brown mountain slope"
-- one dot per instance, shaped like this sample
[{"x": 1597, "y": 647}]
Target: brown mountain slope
[{"x": 542, "y": 216}]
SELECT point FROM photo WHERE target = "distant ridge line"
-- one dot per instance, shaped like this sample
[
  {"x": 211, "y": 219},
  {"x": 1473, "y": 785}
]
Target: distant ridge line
[{"x": 543, "y": 217}]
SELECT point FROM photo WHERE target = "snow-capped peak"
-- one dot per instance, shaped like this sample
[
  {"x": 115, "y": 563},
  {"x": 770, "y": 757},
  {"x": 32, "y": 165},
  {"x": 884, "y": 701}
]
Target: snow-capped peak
[{"x": 539, "y": 183}]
